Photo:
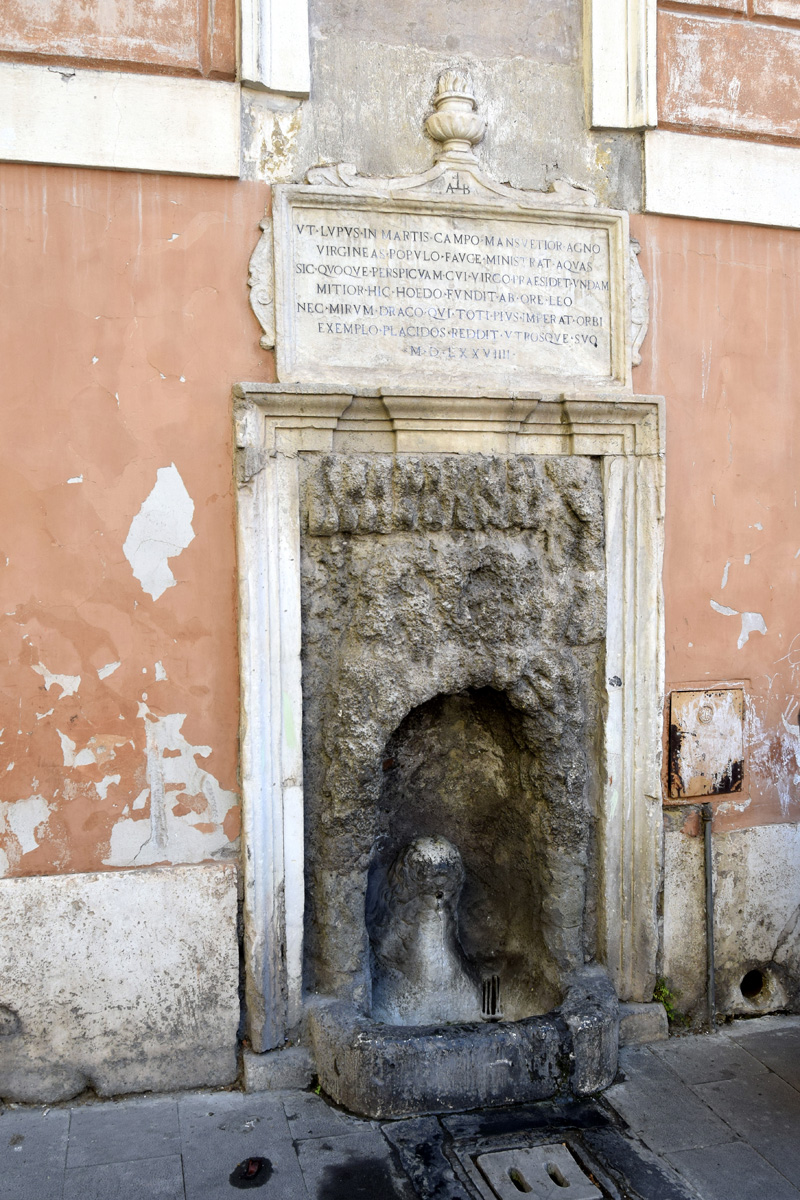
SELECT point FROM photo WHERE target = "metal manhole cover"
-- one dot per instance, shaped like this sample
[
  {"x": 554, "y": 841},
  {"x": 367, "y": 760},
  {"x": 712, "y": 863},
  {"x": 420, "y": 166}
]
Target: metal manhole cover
[{"x": 543, "y": 1173}]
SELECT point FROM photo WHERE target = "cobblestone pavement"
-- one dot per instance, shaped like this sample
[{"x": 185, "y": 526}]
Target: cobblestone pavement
[{"x": 712, "y": 1117}]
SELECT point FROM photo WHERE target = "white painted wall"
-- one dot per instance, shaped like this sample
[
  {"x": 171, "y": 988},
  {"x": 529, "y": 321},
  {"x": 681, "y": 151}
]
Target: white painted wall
[
  {"x": 274, "y": 46},
  {"x": 620, "y": 63},
  {"x": 115, "y": 119},
  {"x": 721, "y": 179}
]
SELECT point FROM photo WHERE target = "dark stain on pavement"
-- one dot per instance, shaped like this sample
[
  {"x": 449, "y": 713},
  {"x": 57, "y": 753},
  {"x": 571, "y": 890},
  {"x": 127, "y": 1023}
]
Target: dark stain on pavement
[
  {"x": 358, "y": 1179},
  {"x": 251, "y": 1173}
]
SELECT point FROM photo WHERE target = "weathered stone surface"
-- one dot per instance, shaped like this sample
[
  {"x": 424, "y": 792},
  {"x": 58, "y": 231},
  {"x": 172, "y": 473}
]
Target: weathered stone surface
[
  {"x": 419, "y": 974},
  {"x": 382, "y": 1070},
  {"x": 122, "y": 981},
  {"x": 378, "y": 288},
  {"x": 591, "y": 1013},
  {"x": 380, "y": 493},
  {"x": 528, "y": 73},
  {"x": 419, "y": 1145},
  {"x": 292, "y": 1067},
  {"x": 450, "y": 666},
  {"x": 756, "y": 918},
  {"x": 684, "y": 918},
  {"x": 642, "y": 1023},
  {"x": 394, "y": 1071}
]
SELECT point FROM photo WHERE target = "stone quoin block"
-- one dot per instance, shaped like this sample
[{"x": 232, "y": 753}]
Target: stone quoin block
[{"x": 121, "y": 981}]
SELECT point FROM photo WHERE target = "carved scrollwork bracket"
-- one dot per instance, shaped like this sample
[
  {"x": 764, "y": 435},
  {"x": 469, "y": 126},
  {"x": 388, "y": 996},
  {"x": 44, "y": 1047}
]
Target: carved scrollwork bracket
[
  {"x": 640, "y": 304},
  {"x": 261, "y": 281}
]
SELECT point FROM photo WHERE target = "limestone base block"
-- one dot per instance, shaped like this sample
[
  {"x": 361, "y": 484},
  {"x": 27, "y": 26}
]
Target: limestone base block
[
  {"x": 642, "y": 1023},
  {"x": 289, "y": 1068},
  {"x": 123, "y": 981},
  {"x": 756, "y": 944}
]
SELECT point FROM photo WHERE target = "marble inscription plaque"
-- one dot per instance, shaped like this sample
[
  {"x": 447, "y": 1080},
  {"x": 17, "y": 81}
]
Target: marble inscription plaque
[{"x": 384, "y": 293}]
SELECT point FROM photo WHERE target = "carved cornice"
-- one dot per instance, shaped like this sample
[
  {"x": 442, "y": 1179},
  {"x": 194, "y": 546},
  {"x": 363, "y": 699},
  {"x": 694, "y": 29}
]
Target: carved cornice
[{"x": 301, "y": 418}]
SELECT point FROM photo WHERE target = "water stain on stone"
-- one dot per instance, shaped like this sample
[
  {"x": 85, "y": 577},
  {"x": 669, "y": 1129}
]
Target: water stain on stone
[{"x": 359, "y": 1179}]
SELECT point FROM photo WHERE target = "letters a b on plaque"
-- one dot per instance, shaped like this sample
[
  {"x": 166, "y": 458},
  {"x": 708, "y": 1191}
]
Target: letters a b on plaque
[{"x": 447, "y": 277}]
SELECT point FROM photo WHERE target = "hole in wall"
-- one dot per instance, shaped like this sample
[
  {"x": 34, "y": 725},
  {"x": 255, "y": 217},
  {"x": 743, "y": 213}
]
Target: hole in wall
[{"x": 752, "y": 984}]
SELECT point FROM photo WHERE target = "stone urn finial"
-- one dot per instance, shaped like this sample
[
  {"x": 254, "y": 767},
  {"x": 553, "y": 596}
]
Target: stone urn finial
[{"x": 455, "y": 123}]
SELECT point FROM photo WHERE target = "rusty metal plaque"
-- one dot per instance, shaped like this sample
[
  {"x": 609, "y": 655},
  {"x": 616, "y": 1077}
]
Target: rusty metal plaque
[{"x": 706, "y": 743}]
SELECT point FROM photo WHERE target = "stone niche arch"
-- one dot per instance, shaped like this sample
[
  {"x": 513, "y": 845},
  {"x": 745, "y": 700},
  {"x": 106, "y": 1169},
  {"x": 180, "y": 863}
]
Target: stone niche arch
[
  {"x": 399, "y": 548},
  {"x": 477, "y": 768},
  {"x": 428, "y": 575}
]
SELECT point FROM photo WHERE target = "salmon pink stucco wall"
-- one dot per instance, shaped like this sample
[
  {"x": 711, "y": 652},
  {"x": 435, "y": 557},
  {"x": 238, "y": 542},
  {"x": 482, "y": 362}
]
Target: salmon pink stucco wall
[
  {"x": 724, "y": 350},
  {"x": 181, "y": 36},
  {"x": 126, "y": 321}
]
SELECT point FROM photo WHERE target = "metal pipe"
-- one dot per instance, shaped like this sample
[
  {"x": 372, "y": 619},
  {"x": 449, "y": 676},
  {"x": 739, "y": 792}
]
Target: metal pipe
[{"x": 707, "y": 813}]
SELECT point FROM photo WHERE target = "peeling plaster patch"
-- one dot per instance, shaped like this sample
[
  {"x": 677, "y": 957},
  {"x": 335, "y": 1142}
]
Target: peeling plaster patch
[
  {"x": 727, "y": 806},
  {"x": 175, "y": 777},
  {"x": 758, "y": 526},
  {"x": 747, "y": 558},
  {"x": 161, "y": 674},
  {"x": 270, "y": 131},
  {"x": 108, "y": 669},
  {"x": 752, "y": 622},
  {"x": 49, "y": 713},
  {"x": 4, "y": 864},
  {"x": 104, "y": 784},
  {"x": 141, "y": 799},
  {"x": 24, "y": 817},
  {"x": 160, "y": 530},
  {"x": 10, "y": 767},
  {"x": 774, "y": 756},
  {"x": 69, "y": 684},
  {"x": 76, "y": 479},
  {"x": 128, "y": 839},
  {"x": 67, "y": 748},
  {"x": 84, "y": 758},
  {"x": 725, "y": 574},
  {"x": 95, "y": 359}
]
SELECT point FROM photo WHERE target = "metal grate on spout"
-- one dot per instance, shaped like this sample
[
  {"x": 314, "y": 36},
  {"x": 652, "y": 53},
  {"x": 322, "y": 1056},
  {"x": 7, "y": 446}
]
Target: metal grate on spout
[{"x": 491, "y": 1009}]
